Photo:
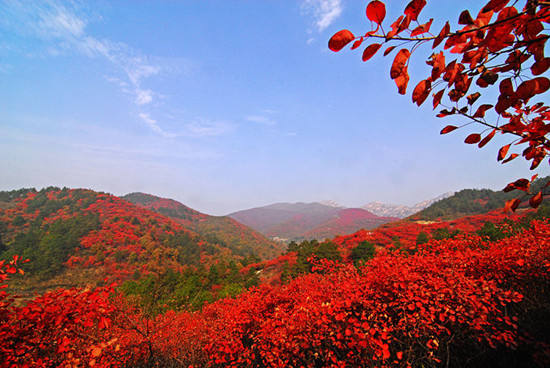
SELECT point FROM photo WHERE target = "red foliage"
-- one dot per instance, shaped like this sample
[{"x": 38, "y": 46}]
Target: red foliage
[
  {"x": 511, "y": 47},
  {"x": 454, "y": 297}
]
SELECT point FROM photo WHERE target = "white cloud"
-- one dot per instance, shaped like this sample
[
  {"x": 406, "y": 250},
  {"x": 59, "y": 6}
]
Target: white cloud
[
  {"x": 58, "y": 21},
  {"x": 144, "y": 96},
  {"x": 64, "y": 27},
  {"x": 261, "y": 119},
  {"x": 324, "y": 12},
  {"x": 207, "y": 128},
  {"x": 196, "y": 128},
  {"x": 153, "y": 124}
]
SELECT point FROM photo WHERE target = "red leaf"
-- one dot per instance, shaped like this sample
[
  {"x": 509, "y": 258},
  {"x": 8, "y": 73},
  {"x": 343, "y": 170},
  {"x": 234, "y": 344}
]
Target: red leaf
[
  {"x": 487, "y": 138},
  {"x": 371, "y": 50},
  {"x": 423, "y": 28},
  {"x": 357, "y": 43},
  {"x": 388, "y": 50},
  {"x": 442, "y": 34},
  {"x": 401, "y": 81},
  {"x": 512, "y": 204},
  {"x": 502, "y": 152},
  {"x": 494, "y": 5},
  {"x": 522, "y": 184},
  {"x": 540, "y": 66},
  {"x": 414, "y": 8},
  {"x": 542, "y": 85},
  {"x": 376, "y": 11},
  {"x": 446, "y": 112},
  {"x": 340, "y": 39},
  {"x": 448, "y": 129},
  {"x": 399, "y": 63},
  {"x": 512, "y": 156},
  {"x": 465, "y": 18},
  {"x": 536, "y": 200},
  {"x": 96, "y": 351},
  {"x": 473, "y": 98},
  {"x": 437, "y": 97},
  {"x": 421, "y": 92},
  {"x": 399, "y": 355},
  {"x": 506, "y": 88},
  {"x": 438, "y": 64},
  {"x": 472, "y": 138}
]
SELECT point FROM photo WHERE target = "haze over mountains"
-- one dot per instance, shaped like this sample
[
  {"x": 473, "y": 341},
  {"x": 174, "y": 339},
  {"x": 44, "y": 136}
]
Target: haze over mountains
[
  {"x": 296, "y": 221},
  {"x": 320, "y": 220}
]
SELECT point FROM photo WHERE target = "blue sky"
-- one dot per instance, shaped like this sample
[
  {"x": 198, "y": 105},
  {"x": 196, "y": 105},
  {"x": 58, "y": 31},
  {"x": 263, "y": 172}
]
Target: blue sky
[{"x": 223, "y": 105}]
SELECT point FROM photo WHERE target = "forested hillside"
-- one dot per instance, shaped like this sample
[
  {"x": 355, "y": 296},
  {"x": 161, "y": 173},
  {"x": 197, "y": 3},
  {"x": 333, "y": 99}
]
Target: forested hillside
[
  {"x": 473, "y": 201},
  {"x": 78, "y": 237},
  {"x": 223, "y": 230}
]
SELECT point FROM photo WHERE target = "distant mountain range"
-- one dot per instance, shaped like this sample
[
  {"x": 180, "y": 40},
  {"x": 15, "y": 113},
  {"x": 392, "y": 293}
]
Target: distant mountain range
[
  {"x": 297, "y": 221},
  {"x": 392, "y": 210},
  {"x": 320, "y": 220}
]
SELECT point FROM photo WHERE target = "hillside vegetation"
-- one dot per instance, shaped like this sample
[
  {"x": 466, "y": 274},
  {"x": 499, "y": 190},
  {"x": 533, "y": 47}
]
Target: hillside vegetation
[{"x": 77, "y": 237}]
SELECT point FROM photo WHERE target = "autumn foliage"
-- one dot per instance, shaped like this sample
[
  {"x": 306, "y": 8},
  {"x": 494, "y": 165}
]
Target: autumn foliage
[
  {"x": 503, "y": 43},
  {"x": 452, "y": 300}
]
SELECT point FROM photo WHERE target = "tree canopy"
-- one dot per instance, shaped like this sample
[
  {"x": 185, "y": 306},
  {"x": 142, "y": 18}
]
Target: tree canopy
[{"x": 503, "y": 43}]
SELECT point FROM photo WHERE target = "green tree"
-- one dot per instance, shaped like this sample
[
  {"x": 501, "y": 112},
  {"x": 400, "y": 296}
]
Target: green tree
[{"x": 364, "y": 251}]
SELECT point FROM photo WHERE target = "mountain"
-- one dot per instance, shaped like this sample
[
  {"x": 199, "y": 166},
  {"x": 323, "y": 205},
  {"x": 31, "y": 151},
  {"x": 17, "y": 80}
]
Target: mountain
[
  {"x": 401, "y": 211},
  {"x": 79, "y": 237},
  {"x": 296, "y": 221},
  {"x": 240, "y": 239}
]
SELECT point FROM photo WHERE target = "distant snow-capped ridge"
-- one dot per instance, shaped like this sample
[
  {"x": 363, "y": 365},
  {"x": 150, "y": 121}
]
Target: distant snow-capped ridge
[{"x": 392, "y": 210}]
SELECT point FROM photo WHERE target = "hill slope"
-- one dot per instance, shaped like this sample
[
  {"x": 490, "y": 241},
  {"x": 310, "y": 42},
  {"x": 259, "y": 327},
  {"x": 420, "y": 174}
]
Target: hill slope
[
  {"x": 78, "y": 237},
  {"x": 469, "y": 202},
  {"x": 240, "y": 239}
]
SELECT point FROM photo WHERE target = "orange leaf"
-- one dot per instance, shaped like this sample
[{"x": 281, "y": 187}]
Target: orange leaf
[
  {"x": 487, "y": 138},
  {"x": 399, "y": 63},
  {"x": 536, "y": 200},
  {"x": 96, "y": 351},
  {"x": 472, "y": 138},
  {"x": 399, "y": 355},
  {"x": 340, "y": 39},
  {"x": 502, "y": 152},
  {"x": 414, "y": 8},
  {"x": 376, "y": 11},
  {"x": 448, "y": 129},
  {"x": 371, "y": 50}
]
